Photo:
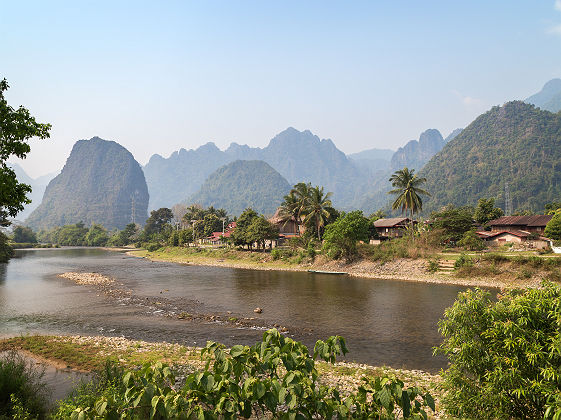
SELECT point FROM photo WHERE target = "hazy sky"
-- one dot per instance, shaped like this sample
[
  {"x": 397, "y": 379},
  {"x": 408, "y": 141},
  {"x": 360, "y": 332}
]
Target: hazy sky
[{"x": 160, "y": 75}]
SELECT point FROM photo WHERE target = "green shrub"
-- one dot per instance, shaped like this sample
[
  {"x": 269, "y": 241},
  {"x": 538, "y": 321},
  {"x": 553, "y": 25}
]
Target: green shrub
[
  {"x": 275, "y": 378},
  {"x": 433, "y": 265},
  {"x": 471, "y": 241},
  {"x": 504, "y": 355},
  {"x": 497, "y": 258},
  {"x": 463, "y": 261},
  {"x": 21, "y": 388},
  {"x": 152, "y": 246}
]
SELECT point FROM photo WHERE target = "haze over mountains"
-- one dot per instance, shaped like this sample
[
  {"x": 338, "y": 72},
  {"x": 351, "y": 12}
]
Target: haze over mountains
[
  {"x": 299, "y": 156},
  {"x": 242, "y": 184},
  {"x": 38, "y": 186},
  {"x": 100, "y": 183},
  {"x": 549, "y": 98},
  {"x": 516, "y": 142}
]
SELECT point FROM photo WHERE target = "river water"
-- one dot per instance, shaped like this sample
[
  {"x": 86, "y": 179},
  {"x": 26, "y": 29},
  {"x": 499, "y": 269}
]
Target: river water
[{"x": 385, "y": 322}]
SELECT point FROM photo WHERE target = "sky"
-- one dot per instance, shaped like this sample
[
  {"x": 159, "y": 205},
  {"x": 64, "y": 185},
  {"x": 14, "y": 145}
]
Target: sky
[{"x": 160, "y": 76}]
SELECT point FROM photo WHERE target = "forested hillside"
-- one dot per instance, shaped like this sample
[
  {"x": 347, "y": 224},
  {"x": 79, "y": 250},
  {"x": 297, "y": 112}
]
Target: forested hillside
[
  {"x": 96, "y": 185},
  {"x": 516, "y": 143},
  {"x": 242, "y": 184}
]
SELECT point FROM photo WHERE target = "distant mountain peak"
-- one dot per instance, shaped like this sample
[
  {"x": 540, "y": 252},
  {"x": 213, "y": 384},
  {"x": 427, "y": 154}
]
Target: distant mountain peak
[{"x": 549, "y": 98}]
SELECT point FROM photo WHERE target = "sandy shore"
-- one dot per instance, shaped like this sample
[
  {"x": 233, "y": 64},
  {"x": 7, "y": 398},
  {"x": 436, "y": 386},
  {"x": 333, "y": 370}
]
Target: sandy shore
[{"x": 402, "y": 269}]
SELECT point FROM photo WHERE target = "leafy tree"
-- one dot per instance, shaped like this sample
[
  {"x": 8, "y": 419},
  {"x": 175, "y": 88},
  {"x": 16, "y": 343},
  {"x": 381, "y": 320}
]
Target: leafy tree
[
  {"x": 551, "y": 208},
  {"x": 471, "y": 241},
  {"x": 486, "y": 211},
  {"x": 553, "y": 228},
  {"x": 67, "y": 235},
  {"x": 454, "y": 222},
  {"x": 261, "y": 230},
  {"x": 17, "y": 126},
  {"x": 341, "y": 236},
  {"x": 407, "y": 189},
  {"x": 317, "y": 209},
  {"x": 23, "y": 234},
  {"x": 239, "y": 235},
  {"x": 157, "y": 221},
  {"x": 211, "y": 223},
  {"x": 504, "y": 355},
  {"x": 97, "y": 236}
]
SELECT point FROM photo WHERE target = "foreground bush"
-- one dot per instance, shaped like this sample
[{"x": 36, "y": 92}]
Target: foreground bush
[
  {"x": 274, "y": 378},
  {"x": 22, "y": 391},
  {"x": 505, "y": 355}
]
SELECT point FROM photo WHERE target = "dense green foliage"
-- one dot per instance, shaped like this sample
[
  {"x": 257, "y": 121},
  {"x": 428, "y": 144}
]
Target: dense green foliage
[
  {"x": 341, "y": 237},
  {"x": 22, "y": 234},
  {"x": 504, "y": 355},
  {"x": 67, "y": 235},
  {"x": 17, "y": 127},
  {"x": 514, "y": 143},
  {"x": 453, "y": 222},
  {"x": 253, "y": 229},
  {"x": 275, "y": 378},
  {"x": 553, "y": 228},
  {"x": 96, "y": 236},
  {"x": 242, "y": 184},
  {"x": 100, "y": 183},
  {"x": 471, "y": 241},
  {"x": 157, "y": 221},
  {"x": 22, "y": 390},
  {"x": 485, "y": 211}
]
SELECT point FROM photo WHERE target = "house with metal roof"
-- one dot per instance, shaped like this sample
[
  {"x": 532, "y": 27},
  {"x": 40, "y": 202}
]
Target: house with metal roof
[{"x": 393, "y": 227}]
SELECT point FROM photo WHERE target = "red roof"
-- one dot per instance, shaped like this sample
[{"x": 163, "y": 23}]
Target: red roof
[{"x": 520, "y": 233}]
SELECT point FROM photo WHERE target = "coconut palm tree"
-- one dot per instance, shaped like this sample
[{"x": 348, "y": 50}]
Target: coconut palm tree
[
  {"x": 289, "y": 209},
  {"x": 316, "y": 209},
  {"x": 407, "y": 188}
]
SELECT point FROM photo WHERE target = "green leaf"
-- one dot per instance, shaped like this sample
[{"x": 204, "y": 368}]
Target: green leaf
[
  {"x": 236, "y": 351},
  {"x": 100, "y": 407}
]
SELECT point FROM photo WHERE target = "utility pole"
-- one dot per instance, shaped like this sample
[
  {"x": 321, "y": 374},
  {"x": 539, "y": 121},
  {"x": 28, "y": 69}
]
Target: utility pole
[
  {"x": 508, "y": 201},
  {"x": 133, "y": 209}
]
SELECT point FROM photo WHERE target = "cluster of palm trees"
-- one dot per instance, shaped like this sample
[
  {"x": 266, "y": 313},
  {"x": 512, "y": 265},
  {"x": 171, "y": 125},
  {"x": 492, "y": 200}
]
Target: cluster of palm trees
[{"x": 308, "y": 206}]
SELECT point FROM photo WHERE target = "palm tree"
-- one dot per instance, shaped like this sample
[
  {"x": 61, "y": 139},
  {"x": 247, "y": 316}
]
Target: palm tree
[
  {"x": 406, "y": 186},
  {"x": 317, "y": 208},
  {"x": 289, "y": 209}
]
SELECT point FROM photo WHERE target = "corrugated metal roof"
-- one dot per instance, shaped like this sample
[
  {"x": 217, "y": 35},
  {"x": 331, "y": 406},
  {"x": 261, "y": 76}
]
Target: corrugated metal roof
[
  {"x": 391, "y": 222},
  {"x": 537, "y": 220}
]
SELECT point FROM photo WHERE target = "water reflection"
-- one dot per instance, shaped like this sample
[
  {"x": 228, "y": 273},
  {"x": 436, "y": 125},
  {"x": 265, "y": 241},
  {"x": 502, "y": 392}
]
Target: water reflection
[{"x": 384, "y": 322}]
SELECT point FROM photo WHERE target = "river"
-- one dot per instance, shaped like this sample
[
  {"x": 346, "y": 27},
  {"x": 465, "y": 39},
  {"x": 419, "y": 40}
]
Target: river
[{"x": 385, "y": 322}]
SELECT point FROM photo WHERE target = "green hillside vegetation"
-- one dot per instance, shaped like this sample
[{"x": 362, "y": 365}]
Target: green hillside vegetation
[
  {"x": 515, "y": 143},
  {"x": 242, "y": 184},
  {"x": 96, "y": 185}
]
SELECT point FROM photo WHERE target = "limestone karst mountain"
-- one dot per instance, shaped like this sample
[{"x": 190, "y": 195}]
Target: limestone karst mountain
[{"x": 101, "y": 182}]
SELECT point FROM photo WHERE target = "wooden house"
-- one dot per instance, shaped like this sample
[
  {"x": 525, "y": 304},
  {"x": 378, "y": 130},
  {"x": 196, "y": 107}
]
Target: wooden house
[
  {"x": 524, "y": 231},
  {"x": 393, "y": 227},
  {"x": 530, "y": 224}
]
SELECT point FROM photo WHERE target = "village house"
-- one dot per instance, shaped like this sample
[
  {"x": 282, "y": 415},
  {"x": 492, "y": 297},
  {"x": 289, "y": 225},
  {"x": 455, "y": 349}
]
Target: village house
[
  {"x": 287, "y": 228},
  {"x": 393, "y": 227},
  {"x": 525, "y": 231}
]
